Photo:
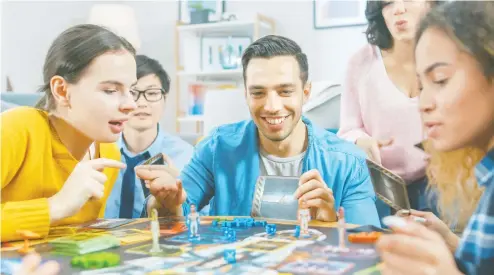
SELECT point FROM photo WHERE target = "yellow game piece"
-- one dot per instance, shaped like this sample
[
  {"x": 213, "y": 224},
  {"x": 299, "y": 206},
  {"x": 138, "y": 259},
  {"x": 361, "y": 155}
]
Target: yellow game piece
[{"x": 26, "y": 235}]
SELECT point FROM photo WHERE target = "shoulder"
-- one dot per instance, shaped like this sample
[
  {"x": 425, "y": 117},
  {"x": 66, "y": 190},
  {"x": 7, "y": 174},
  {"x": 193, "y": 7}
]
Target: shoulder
[
  {"x": 173, "y": 141},
  {"x": 25, "y": 120},
  {"x": 362, "y": 59},
  {"x": 337, "y": 147},
  {"x": 232, "y": 134}
]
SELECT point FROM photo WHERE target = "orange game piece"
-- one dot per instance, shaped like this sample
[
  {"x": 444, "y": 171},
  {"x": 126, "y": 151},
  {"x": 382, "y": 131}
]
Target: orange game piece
[
  {"x": 364, "y": 237},
  {"x": 26, "y": 235}
]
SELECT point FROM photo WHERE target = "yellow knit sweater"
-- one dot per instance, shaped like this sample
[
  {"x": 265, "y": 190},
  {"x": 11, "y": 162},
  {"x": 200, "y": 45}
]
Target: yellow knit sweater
[{"x": 34, "y": 167}]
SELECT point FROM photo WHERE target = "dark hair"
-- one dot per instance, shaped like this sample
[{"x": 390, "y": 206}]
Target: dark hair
[
  {"x": 72, "y": 52},
  {"x": 377, "y": 32},
  {"x": 470, "y": 24},
  {"x": 147, "y": 66},
  {"x": 274, "y": 45}
]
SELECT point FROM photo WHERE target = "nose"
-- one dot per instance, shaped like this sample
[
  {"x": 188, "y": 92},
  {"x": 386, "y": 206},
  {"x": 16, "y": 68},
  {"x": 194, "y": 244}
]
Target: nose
[
  {"x": 426, "y": 102},
  {"x": 141, "y": 101},
  {"x": 399, "y": 7},
  {"x": 273, "y": 102},
  {"x": 128, "y": 103}
]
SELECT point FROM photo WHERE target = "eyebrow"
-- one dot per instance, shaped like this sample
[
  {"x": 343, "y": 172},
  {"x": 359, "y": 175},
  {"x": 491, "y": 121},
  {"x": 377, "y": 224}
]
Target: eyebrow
[
  {"x": 117, "y": 83},
  {"x": 435, "y": 65},
  {"x": 259, "y": 87}
]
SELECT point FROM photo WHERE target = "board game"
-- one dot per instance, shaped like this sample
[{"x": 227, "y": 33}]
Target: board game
[{"x": 241, "y": 245}]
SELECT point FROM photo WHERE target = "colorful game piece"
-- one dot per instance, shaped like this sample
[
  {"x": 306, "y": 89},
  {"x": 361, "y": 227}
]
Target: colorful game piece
[
  {"x": 230, "y": 256},
  {"x": 193, "y": 222},
  {"x": 26, "y": 235},
  {"x": 304, "y": 218},
  {"x": 364, "y": 237},
  {"x": 96, "y": 260},
  {"x": 296, "y": 234},
  {"x": 155, "y": 231},
  {"x": 271, "y": 229},
  {"x": 341, "y": 228},
  {"x": 214, "y": 223}
]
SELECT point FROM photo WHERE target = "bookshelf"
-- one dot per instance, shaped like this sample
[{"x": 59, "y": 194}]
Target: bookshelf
[{"x": 191, "y": 55}]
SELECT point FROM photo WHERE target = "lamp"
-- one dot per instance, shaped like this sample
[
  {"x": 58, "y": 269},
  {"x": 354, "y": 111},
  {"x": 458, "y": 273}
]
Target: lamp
[{"x": 118, "y": 18}]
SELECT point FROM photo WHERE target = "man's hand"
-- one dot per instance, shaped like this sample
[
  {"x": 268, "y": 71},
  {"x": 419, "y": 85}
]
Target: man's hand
[
  {"x": 414, "y": 249},
  {"x": 163, "y": 184},
  {"x": 313, "y": 193}
]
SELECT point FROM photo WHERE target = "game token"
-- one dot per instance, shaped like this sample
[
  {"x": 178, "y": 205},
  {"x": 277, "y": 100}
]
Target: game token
[
  {"x": 304, "y": 218},
  {"x": 193, "y": 221},
  {"x": 364, "y": 237},
  {"x": 271, "y": 229},
  {"x": 230, "y": 256},
  {"x": 96, "y": 260},
  {"x": 155, "y": 231},
  {"x": 341, "y": 228},
  {"x": 296, "y": 234},
  {"x": 26, "y": 235}
]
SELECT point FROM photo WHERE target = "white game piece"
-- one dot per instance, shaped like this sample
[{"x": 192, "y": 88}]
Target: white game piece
[
  {"x": 155, "y": 231},
  {"x": 341, "y": 228},
  {"x": 304, "y": 218},
  {"x": 193, "y": 221}
]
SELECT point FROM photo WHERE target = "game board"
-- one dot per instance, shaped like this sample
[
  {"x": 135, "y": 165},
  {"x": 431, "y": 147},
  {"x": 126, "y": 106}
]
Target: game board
[{"x": 252, "y": 250}]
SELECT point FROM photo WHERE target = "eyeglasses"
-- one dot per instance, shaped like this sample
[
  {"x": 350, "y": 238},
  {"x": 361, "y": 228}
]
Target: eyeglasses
[{"x": 151, "y": 95}]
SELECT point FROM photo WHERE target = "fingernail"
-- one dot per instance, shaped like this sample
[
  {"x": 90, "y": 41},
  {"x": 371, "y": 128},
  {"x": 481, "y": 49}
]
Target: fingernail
[
  {"x": 420, "y": 220},
  {"x": 393, "y": 221}
]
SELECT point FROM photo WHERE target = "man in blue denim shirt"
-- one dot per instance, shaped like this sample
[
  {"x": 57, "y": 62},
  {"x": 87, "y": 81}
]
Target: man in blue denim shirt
[{"x": 277, "y": 141}]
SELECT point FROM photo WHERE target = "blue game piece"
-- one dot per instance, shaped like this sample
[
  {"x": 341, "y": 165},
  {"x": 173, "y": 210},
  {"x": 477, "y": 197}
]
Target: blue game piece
[
  {"x": 271, "y": 229},
  {"x": 230, "y": 256},
  {"x": 296, "y": 234},
  {"x": 249, "y": 224},
  {"x": 214, "y": 223}
]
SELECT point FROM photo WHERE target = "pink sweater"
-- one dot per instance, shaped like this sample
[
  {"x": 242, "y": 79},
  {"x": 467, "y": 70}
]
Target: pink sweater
[{"x": 372, "y": 105}]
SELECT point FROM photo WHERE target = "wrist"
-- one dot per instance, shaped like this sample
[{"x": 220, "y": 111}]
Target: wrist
[
  {"x": 56, "y": 209},
  {"x": 452, "y": 241}
]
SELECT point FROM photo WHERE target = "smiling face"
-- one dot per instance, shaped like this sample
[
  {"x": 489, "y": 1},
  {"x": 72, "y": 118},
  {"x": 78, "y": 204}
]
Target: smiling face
[
  {"x": 99, "y": 103},
  {"x": 456, "y": 101},
  {"x": 275, "y": 95},
  {"x": 402, "y": 17},
  {"x": 148, "y": 114}
]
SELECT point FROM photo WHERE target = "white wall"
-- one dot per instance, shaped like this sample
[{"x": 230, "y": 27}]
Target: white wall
[{"x": 28, "y": 28}]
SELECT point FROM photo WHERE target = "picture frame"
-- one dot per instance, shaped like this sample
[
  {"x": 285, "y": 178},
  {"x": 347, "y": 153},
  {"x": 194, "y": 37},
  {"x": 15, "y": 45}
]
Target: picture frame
[
  {"x": 184, "y": 7},
  {"x": 338, "y": 13}
]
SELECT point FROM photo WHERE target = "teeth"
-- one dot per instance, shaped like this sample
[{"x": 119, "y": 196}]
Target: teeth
[{"x": 275, "y": 121}]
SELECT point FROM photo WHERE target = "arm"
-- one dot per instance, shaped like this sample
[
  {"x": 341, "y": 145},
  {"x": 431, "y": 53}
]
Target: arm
[
  {"x": 359, "y": 198},
  {"x": 351, "y": 124},
  {"x": 33, "y": 215},
  {"x": 197, "y": 176}
]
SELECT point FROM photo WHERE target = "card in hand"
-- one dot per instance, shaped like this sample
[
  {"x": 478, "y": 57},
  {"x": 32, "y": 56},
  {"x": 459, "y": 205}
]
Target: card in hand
[
  {"x": 420, "y": 145},
  {"x": 109, "y": 224},
  {"x": 155, "y": 160}
]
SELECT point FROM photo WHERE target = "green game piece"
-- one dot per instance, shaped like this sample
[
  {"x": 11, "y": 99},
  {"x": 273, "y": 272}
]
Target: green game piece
[{"x": 96, "y": 260}]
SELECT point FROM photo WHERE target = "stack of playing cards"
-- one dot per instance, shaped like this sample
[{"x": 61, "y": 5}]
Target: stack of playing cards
[{"x": 83, "y": 243}]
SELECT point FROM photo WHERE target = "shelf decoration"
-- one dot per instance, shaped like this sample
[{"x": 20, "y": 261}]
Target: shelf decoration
[
  {"x": 200, "y": 11},
  {"x": 339, "y": 13}
]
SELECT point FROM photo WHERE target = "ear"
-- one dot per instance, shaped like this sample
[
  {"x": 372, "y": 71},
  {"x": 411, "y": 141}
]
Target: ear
[
  {"x": 58, "y": 87},
  {"x": 307, "y": 91}
]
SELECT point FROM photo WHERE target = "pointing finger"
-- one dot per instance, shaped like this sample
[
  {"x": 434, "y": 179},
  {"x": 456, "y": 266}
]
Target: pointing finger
[{"x": 101, "y": 163}]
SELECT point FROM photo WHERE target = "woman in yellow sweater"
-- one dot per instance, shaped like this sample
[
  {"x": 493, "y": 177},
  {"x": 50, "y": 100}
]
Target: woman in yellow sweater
[{"x": 59, "y": 162}]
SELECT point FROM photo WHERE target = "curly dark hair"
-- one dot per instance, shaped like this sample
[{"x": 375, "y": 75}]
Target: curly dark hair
[
  {"x": 470, "y": 24},
  {"x": 377, "y": 32}
]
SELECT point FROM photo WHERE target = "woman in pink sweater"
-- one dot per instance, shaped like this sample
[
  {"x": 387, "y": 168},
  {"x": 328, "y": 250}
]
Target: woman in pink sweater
[{"x": 379, "y": 108}]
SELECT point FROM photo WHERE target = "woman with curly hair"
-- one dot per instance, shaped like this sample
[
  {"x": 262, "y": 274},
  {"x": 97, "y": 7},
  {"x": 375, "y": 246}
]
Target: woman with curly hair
[{"x": 455, "y": 63}]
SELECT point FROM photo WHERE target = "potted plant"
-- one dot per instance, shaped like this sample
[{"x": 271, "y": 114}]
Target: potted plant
[{"x": 198, "y": 14}]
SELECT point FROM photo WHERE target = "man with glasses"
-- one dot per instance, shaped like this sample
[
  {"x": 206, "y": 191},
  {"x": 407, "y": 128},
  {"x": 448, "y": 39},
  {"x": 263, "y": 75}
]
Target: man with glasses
[{"x": 142, "y": 138}]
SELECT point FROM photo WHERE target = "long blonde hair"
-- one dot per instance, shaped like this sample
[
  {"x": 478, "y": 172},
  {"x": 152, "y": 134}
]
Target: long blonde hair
[{"x": 452, "y": 175}]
